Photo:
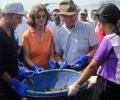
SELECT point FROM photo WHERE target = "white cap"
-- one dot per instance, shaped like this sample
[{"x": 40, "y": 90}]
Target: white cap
[
  {"x": 83, "y": 11},
  {"x": 13, "y": 7}
]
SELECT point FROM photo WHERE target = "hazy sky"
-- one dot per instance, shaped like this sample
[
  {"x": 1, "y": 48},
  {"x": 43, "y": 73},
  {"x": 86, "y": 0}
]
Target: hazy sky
[
  {"x": 28, "y": 3},
  {"x": 55, "y": 3}
]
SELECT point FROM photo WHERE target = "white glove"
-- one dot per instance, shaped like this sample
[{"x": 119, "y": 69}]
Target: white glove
[
  {"x": 92, "y": 80},
  {"x": 73, "y": 90}
]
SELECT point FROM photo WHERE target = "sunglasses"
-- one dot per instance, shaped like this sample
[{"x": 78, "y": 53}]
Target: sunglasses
[
  {"x": 83, "y": 14},
  {"x": 40, "y": 16}
]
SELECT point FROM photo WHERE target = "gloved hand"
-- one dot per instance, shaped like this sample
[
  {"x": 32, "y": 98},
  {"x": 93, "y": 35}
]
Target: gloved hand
[
  {"x": 23, "y": 71},
  {"x": 37, "y": 69},
  {"x": 92, "y": 81},
  {"x": 63, "y": 64},
  {"x": 81, "y": 62},
  {"x": 73, "y": 90},
  {"x": 18, "y": 87},
  {"x": 52, "y": 64}
]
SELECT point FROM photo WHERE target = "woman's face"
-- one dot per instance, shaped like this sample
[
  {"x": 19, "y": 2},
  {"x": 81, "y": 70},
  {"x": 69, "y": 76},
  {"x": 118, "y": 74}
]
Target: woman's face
[{"x": 40, "y": 18}]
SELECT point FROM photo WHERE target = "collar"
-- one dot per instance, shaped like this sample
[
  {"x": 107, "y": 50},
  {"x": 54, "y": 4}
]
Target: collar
[{"x": 64, "y": 25}]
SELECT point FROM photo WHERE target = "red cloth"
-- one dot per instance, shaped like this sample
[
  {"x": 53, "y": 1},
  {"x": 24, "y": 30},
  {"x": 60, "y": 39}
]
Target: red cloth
[{"x": 100, "y": 34}]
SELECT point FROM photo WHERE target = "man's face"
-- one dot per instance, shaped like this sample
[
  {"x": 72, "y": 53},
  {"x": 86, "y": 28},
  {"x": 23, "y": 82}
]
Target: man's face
[
  {"x": 83, "y": 17},
  {"x": 70, "y": 20},
  {"x": 14, "y": 20},
  {"x": 55, "y": 17}
]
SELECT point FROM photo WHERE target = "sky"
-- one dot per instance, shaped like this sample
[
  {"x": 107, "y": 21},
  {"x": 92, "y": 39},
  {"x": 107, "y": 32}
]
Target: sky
[
  {"x": 53, "y": 3},
  {"x": 89, "y": 4}
]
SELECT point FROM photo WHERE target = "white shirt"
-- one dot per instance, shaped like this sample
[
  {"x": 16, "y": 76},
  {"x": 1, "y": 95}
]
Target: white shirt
[
  {"x": 75, "y": 42},
  {"x": 20, "y": 30}
]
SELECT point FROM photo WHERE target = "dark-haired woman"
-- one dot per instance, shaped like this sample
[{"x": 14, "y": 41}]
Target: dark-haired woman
[
  {"x": 107, "y": 57},
  {"x": 38, "y": 40}
]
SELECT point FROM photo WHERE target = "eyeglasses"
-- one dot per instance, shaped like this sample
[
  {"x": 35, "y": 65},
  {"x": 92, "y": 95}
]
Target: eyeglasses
[{"x": 40, "y": 16}]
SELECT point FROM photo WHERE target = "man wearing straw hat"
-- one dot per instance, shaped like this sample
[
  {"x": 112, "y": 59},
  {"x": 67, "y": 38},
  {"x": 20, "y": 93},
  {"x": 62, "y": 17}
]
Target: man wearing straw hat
[{"x": 75, "y": 41}]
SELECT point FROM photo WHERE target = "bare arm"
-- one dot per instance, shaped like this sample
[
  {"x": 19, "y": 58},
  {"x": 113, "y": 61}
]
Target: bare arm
[
  {"x": 6, "y": 77},
  {"x": 92, "y": 52},
  {"x": 58, "y": 58},
  {"x": 27, "y": 57}
]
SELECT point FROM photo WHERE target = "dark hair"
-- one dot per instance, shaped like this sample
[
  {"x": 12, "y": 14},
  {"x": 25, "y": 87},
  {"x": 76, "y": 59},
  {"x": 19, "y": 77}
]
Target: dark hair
[
  {"x": 94, "y": 12},
  {"x": 34, "y": 11},
  {"x": 56, "y": 10},
  {"x": 110, "y": 13}
]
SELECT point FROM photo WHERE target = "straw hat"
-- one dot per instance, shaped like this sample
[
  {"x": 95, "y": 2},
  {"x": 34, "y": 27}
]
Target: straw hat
[{"x": 67, "y": 7}]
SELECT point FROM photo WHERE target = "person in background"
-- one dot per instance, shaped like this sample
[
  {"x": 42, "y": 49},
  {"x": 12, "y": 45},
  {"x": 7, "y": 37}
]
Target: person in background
[
  {"x": 98, "y": 28},
  {"x": 94, "y": 19},
  {"x": 57, "y": 23},
  {"x": 84, "y": 15},
  {"x": 49, "y": 24},
  {"x": 18, "y": 36},
  {"x": 12, "y": 88},
  {"x": 99, "y": 32},
  {"x": 107, "y": 55},
  {"x": 75, "y": 41},
  {"x": 38, "y": 39},
  {"x": 20, "y": 29}
]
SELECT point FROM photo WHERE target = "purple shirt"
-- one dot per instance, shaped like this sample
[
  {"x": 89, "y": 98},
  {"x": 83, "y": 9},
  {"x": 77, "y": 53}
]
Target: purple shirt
[{"x": 108, "y": 56}]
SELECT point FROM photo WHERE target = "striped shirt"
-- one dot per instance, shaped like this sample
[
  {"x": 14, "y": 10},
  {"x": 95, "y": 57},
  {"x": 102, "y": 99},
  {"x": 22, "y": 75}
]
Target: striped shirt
[
  {"x": 108, "y": 55},
  {"x": 73, "y": 43}
]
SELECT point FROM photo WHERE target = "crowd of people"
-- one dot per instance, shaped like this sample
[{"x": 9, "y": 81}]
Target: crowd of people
[{"x": 66, "y": 39}]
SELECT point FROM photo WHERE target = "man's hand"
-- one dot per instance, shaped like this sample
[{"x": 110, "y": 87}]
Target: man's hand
[
  {"x": 81, "y": 62},
  {"x": 24, "y": 72},
  {"x": 63, "y": 64},
  {"x": 36, "y": 68},
  {"x": 18, "y": 87},
  {"x": 52, "y": 64}
]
